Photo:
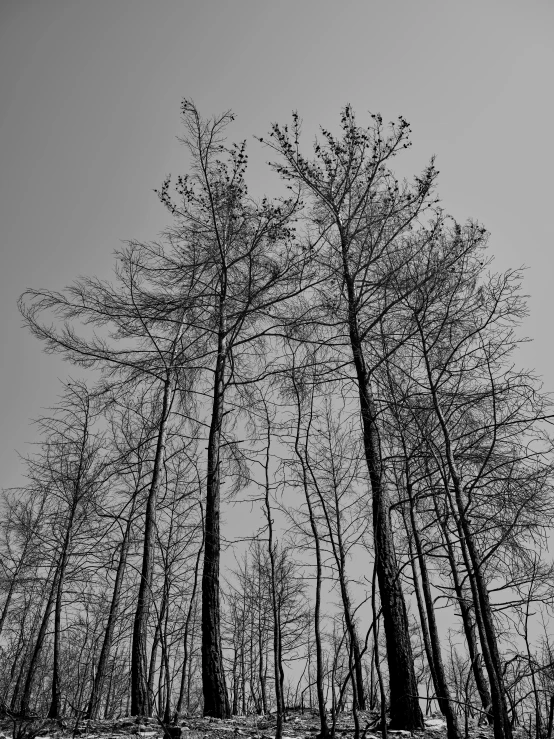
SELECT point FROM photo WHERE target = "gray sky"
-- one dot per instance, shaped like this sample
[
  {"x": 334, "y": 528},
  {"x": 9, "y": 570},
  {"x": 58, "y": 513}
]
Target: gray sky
[{"x": 89, "y": 111}]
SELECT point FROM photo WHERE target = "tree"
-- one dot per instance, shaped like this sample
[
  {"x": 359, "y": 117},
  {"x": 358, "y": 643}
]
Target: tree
[
  {"x": 245, "y": 258},
  {"x": 475, "y": 413},
  {"x": 69, "y": 468},
  {"x": 353, "y": 376},
  {"x": 361, "y": 238}
]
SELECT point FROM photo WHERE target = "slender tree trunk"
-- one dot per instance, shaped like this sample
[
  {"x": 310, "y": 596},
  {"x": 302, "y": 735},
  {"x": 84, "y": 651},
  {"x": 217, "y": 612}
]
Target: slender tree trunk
[
  {"x": 359, "y": 693},
  {"x": 377, "y": 658},
  {"x": 243, "y": 671},
  {"x": 29, "y": 538},
  {"x": 54, "y": 710},
  {"x": 8, "y": 600},
  {"x": 405, "y": 711},
  {"x": 27, "y": 688},
  {"x": 20, "y": 656},
  {"x": 324, "y": 728},
  {"x": 421, "y": 610},
  {"x": 19, "y": 650},
  {"x": 165, "y": 704},
  {"x": 475, "y": 599},
  {"x": 340, "y": 559},
  {"x": 102, "y": 668},
  {"x": 152, "y": 666},
  {"x": 192, "y": 638},
  {"x": 156, "y": 642},
  {"x": 442, "y": 688},
  {"x": 502, "y": 727},
  {"x": 216, "y": 701},
  {"x": 467, "y": 622},
  {"x": 320, "y": 667},
  {"x": 180, "y": 701},
  {"x": 109, "y": 692},
  {"x": 261, "y": 670},
  {"x": 234, "y": 673},
  {"x": 140, "y": 697},
  {"x": 167, "y": 672},
  {"x": 277, "y": 647},
  {"x": 550, "y": 717}
]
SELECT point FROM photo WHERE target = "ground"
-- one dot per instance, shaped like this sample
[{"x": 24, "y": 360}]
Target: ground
[{"x": 298, "y": 726}]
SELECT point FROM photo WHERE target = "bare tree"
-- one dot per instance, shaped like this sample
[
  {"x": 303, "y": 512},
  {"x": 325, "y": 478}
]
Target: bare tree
[{"x": 361, "y": 239}]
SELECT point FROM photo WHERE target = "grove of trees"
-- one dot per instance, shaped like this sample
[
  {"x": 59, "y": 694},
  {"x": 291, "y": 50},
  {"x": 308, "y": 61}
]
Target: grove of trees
[{"x": 303, "y": 468}]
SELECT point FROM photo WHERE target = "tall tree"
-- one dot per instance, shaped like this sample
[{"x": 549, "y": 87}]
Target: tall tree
[
  {"x": 361, "y": 237},
  {"x": 70, "y": 469},
  {"x": 244, "y": 256}
]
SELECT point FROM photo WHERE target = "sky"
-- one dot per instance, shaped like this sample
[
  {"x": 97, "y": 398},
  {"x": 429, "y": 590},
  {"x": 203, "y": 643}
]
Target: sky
[{"x": 90, "y": 95}]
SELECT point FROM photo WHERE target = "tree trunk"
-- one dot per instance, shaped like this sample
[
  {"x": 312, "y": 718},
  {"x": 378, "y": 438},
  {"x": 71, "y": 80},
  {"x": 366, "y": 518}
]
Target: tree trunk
[
  {"x": 468, "y": 623},
  {"x": 442, "y": 688},
  {"x": 261, "y": 670},
  {"x": 152, "y": 666},
  {"x": 340, "y": 559},
  {"x": 54, "y": 710},
  {"x": 156, "y": 642},
  {"x": 216, "y": 701},
  {"x": 502, "y": 727},
  {"x": 277, "y": 646},
  {"x": 140, "y": 697},
  {"x": 7, "y": 602},
  {"x": 30, "y": 536},
  {"x": 421, "y": 611},
  {"x": 180, "y": 701},
  {"x": 101, "y": 670},
  {"x": 320, "y": 669},
  {"x": 405, "y": 711},
  {"x": 26, "y": 695}
]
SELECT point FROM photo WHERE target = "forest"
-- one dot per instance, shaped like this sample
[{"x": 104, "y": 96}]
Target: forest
[{"x": 295, "y": 465}]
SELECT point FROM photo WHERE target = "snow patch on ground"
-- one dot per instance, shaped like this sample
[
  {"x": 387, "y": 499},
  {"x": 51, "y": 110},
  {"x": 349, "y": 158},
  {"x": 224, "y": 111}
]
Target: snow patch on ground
[{"x": 435, "y": 723}]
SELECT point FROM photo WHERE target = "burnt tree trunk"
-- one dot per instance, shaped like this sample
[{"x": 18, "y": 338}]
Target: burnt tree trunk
[
  {"x": 405, "y": 711},
  {"x": 35, "y": 655},
  {"x": 181, "y": 699},
  {"x": 467, "y": 622},
  {"x": 54, "y": 710},
  {"x": 502, "y": 726},
  {"x": 216, "y": 701},
  {"x": 277, "y": 633},
  {"x": 441, "y": 685},
  {"x": 320, "y": 668},
  {"x": 102, "y": 668},
  {"x": 421, "y": 611},
  {"x": 140, "y": 697}
]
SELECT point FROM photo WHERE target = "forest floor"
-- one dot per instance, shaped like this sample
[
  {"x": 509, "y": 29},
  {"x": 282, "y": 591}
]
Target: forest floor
[{"x": 298, "y": 726}]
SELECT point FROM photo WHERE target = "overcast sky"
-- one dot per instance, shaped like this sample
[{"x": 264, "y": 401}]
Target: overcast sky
[{"x": 89, "y": 113}]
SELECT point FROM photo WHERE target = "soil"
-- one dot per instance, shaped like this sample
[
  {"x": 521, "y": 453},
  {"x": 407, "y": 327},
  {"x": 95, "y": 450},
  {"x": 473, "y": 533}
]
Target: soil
[{"x": 297, "y": 726}]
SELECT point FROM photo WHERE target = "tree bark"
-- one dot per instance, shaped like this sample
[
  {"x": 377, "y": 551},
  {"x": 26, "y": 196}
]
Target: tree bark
[
  {"x": 140, "y": 697},
  {"x": 324, "y": 728},
  {"x": 442, "y": 688},
  {"x": 467, "y": 622},
  {"x": 180, "y": 701},
  {"x": 277, "y": 634},
  {"x": 27, "y": 688},
  {"x": 405, "y": 711},
  {"x": 102, "y": 668},
  {"x": 502, "y": 726},
  {"x": 421, "y": 611},
  {"x": 216, "y": 701},
  {"x": 54, "y": 710}
]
